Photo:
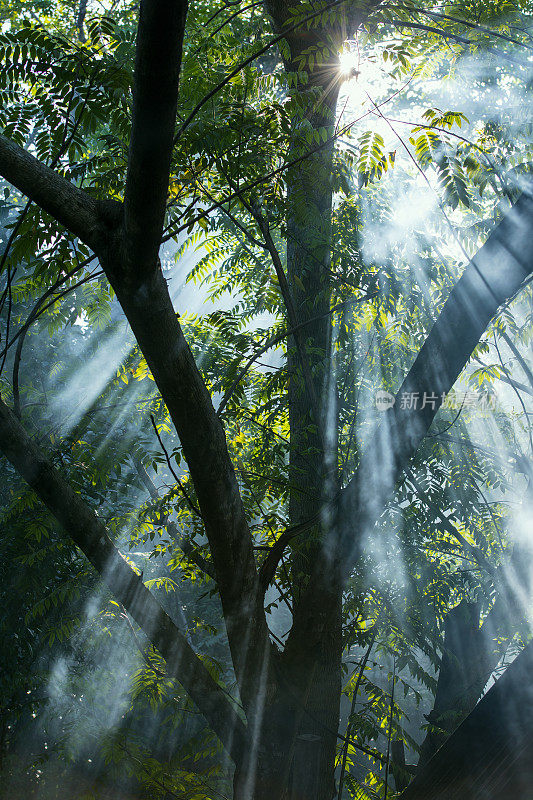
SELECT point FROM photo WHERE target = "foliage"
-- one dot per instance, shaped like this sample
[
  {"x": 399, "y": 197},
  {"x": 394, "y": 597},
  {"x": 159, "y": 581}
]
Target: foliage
[{"x": 86, "y": 384}]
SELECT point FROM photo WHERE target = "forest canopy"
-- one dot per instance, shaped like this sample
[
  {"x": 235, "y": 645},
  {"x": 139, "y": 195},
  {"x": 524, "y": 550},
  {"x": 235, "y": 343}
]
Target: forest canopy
[{"x": 266, "y": 382}]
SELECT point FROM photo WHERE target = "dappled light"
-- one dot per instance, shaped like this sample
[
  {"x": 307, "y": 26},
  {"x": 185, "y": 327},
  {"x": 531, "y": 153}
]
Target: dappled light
[{"x": 266, "y": 381}]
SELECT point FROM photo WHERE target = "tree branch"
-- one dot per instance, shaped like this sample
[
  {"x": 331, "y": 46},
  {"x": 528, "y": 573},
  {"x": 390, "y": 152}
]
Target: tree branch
[
  {"x": 192, "y": 507},
  {"x": 184, "y": 544},
  {"x": 509, "y": 381},
  {"x": 128, "y": 255},
  {"x": 80, "y": 20},
  {"x": 350, "y": 725},
  {"x": 291, "y": 313},
  {"x": 279, "y": 337},
  {"x": 83, "y": 215},
  {"x": 155, "y": 95},
  {"x": 490, "y": 754},
  {"x": 91, "y": 536},
  {"x": 490, "y": 279},
  {"x": 519, "y": 357},
  {"x": 150, "y": 312}
]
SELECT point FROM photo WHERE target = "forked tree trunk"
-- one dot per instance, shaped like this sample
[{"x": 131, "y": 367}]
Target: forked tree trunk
[{"x": 294, "y": 754}]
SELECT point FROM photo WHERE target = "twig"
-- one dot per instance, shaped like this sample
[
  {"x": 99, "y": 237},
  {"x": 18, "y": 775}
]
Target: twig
[
  {"x": 390, "y": 730},
  {"x": 279, "y": 338},
  {"x": 194, "y": 508},
  {"x": 352, "y": 708}
]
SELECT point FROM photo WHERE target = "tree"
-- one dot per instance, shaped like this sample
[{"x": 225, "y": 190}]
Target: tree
[{"x": 288, "y": 699}]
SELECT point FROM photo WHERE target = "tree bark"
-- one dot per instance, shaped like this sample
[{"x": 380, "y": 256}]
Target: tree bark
[
  {"x": 311, "y": 679},
  {"x": 158, "y": 54},
  {"x": 86, "y": 217}
]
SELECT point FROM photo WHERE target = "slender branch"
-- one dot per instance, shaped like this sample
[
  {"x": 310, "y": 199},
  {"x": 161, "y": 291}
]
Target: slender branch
[
  {"x": 291, "y": 314},
  {"x": 349, "y": 729},
  {"x": 279, "y": 337},
  {"x": 226, "y": 21},
  {"x": 519, "y": 357},
  {"x": 185, "y": 545},
  {"x": 12, "y": 236},
  {"x": 302, "y": 22},
  {"x": 10, "y": 276},
  {"x": 171, "y": 233},
  {"x": 35, "y": 314},
  {"x": 18, "y": 351},
  {"x": 454, "y": 37},
  {"x": 228, "y": 4},
  {"x": 194, "y": 508},
  {"x": 466, "y": 23},
  {"x": 387, "y": 764}
]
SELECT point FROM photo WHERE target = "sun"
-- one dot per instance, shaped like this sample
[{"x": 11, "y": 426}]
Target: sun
[{"x": 349, "y": 63}]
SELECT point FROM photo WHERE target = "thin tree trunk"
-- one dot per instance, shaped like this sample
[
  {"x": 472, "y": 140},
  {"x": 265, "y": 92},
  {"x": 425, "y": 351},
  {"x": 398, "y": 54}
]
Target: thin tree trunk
[
  {"x": 310, "y": 666},
  {"x": 80, "y": 20},
  {"x": 312, "y": 469}
]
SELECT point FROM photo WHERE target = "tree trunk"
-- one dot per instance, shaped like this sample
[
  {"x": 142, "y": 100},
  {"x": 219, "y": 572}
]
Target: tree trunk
[
  {"x": 313, "y": 658},
  {"x": 292, "y": 755},
  {"x": 462, "y": 675},
  {"x": 311, "y": 662},
  {"x": 295, "y": 754},
  {"x": 313, "y": 458}
]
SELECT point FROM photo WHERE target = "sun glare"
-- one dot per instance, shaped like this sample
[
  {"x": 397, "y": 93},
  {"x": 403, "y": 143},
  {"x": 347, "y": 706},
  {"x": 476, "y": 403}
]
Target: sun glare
[{"x": 349, "y": 63}]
